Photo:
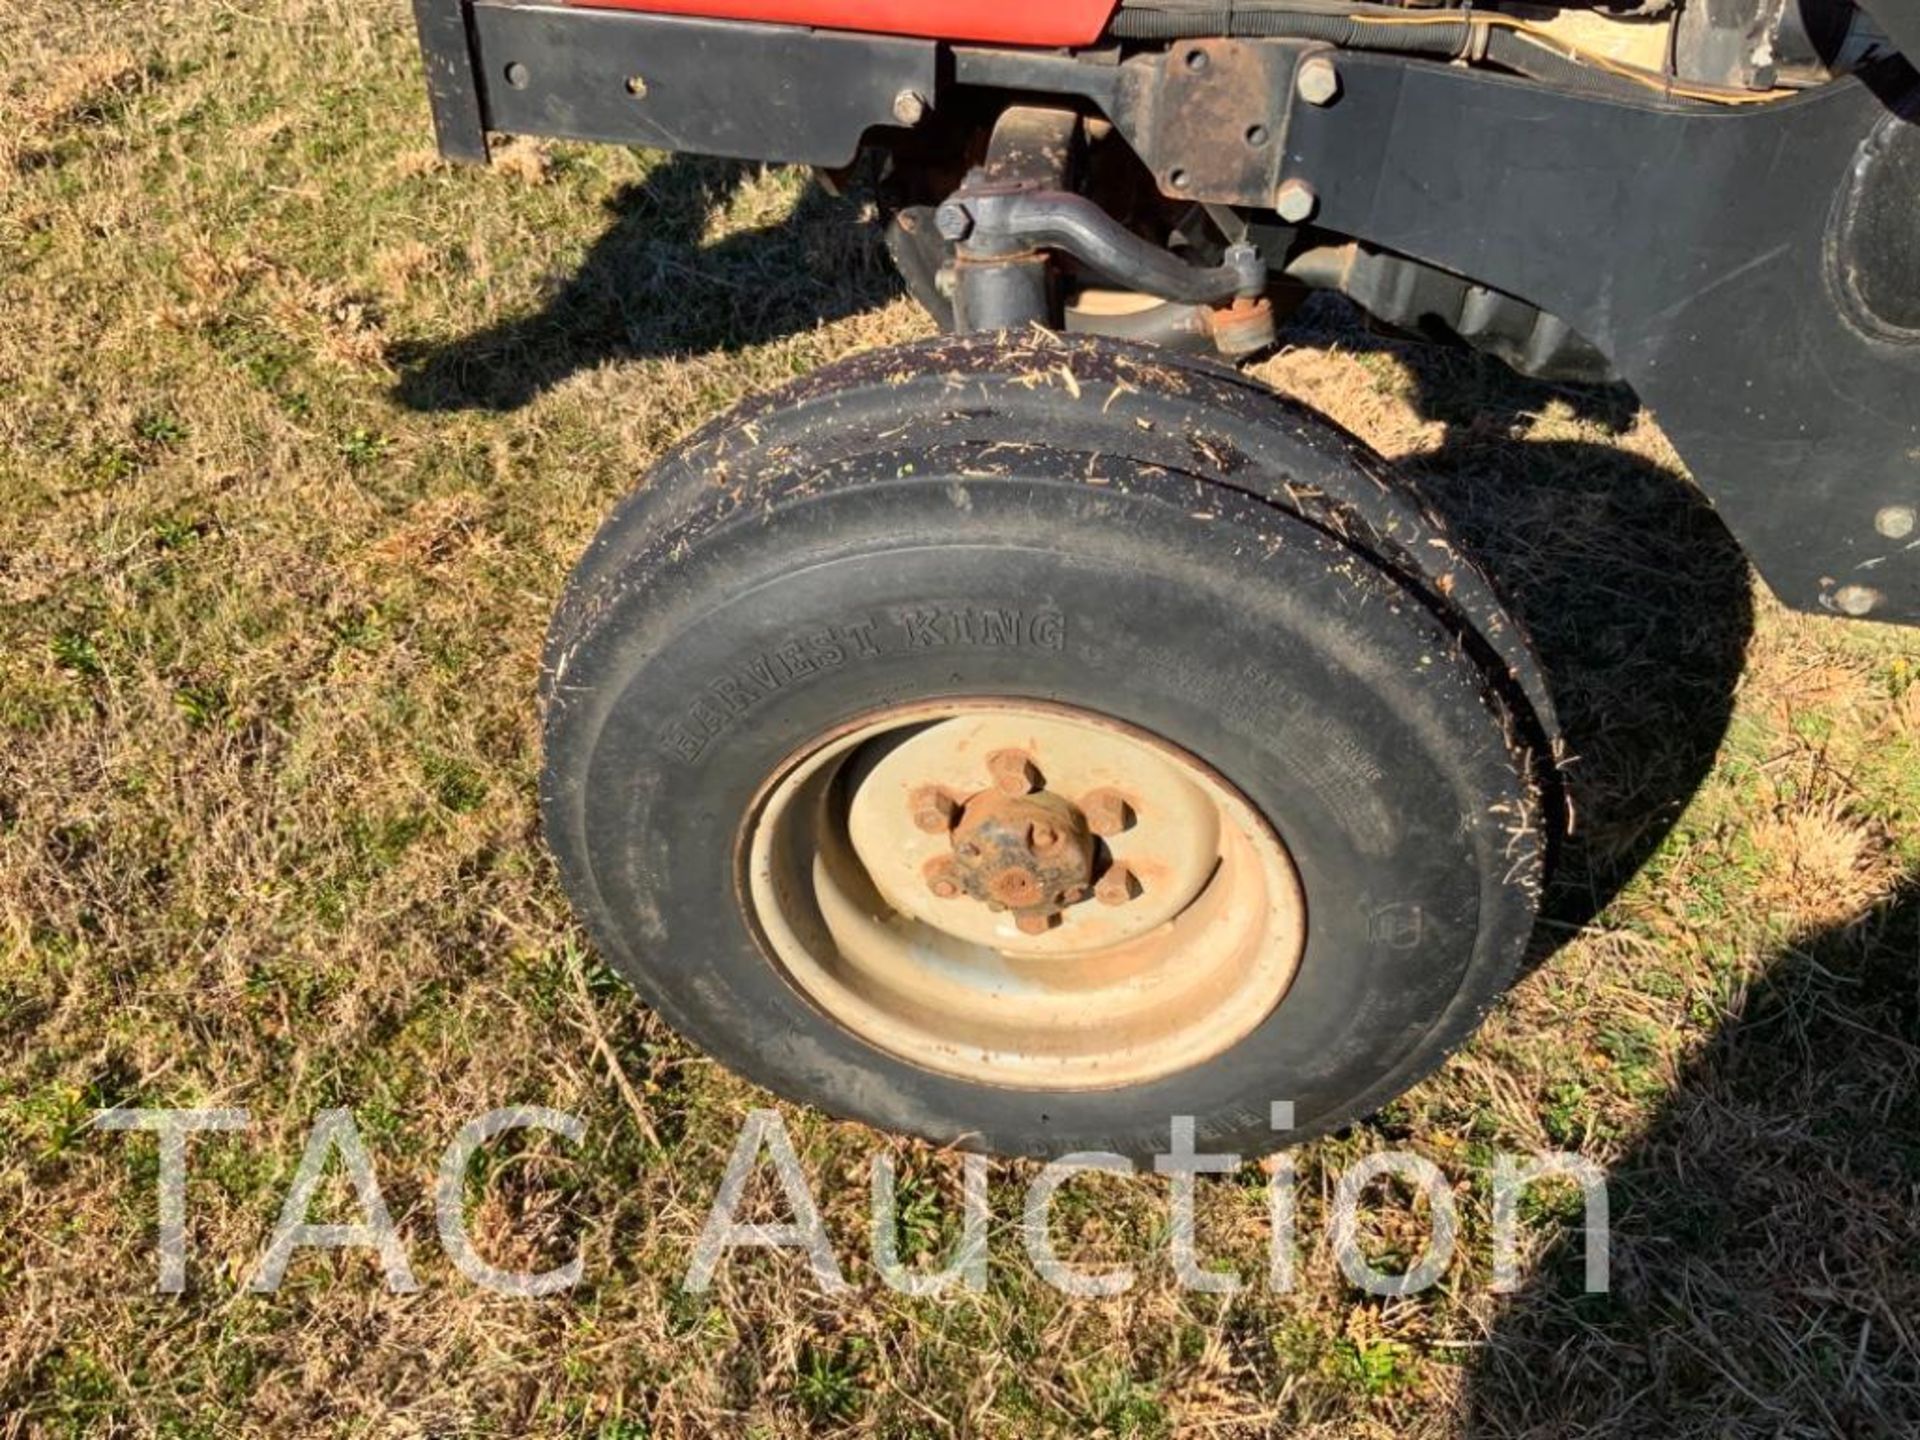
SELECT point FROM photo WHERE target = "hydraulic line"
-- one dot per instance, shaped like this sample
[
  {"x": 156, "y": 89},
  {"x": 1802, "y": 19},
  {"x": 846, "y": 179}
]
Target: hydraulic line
[
  {"x": 1504, "y": 40},
  {"x": 1430, "y": 36}
]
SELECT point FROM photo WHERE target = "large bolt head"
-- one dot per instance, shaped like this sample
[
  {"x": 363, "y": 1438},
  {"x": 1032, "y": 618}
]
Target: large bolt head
[
  {"x": 1317, "y": 81},
  {"x": 1855, "y": 599},
  {"x": 909, "y": 107},
  {"x": 954, "y": 221},
  {"x": 1895, "y": 522},
  {"x": 1295, "y": 201}
]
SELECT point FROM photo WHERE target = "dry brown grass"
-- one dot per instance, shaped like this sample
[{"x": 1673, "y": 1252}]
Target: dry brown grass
[{"x": 299, "y": 433}]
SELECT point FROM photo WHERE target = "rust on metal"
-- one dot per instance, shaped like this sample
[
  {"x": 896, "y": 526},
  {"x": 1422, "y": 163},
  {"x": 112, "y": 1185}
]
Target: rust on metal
[
  {"x": 1031, "y": 145},
  {"x": 934, "y": 810},
  {"x": 1014, "y": 772},
  {"x": 1244, "y": 327},
  {"x": 1118, "y": 885},
  {"x": 1108, "y": 812},
  {"x": 1021, "y": 848},
  {"x": 1219, "y": 119},
  {"x": 944, "y": 878},
  {"x": 1029, "y": 853}
]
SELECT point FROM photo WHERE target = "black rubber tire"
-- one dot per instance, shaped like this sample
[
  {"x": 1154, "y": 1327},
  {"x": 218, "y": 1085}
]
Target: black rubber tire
[{"x": 757, "y": 592}]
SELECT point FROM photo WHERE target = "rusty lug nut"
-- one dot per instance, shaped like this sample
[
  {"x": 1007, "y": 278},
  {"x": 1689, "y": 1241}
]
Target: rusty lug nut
[
  {"x": 1034, "y": 924},
  {"x": 943, "y": 877},
  {"x": 1014, "y": 887},
  {"x": 934, "y": 810},
  {"x": 1107, "y": 811},
  {"x": 1014, "y": 772},
  {"x": 1117, "y": 886}
]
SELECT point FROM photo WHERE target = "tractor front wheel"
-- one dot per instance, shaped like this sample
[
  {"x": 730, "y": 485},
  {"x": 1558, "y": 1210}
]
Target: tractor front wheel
[{"x": 973, "y": 739}]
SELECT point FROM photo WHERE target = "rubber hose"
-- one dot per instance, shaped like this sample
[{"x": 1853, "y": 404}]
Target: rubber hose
[
  {"x": 1448, "y": 39},
  {"x": 1513, "y": 50},
  {"x": 1440, "y": 37}
]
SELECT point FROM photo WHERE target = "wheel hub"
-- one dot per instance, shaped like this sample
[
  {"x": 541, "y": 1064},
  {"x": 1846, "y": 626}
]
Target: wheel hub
[
  {"x": 1031, "y": 853},
  {"x": 1022, "y": 893},
  {"x": 1018, "y": 846}
]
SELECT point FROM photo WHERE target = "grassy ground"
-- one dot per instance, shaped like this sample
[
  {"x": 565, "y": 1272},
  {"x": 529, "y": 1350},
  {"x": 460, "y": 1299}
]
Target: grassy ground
[{"x": 299, "y": 434}]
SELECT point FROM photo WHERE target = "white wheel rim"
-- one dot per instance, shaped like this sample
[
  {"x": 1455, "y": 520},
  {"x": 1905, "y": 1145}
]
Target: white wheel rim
[{"x": 838, "y": 887}]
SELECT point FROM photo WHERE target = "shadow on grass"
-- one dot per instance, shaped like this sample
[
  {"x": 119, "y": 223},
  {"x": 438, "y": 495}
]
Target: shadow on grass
[
  {"x": 1636, "y": 599},
  {"x": 1766, "y": 1227},
  {"x": 649, "y": 287}
]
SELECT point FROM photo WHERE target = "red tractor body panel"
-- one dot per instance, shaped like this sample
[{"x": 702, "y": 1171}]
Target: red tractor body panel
[{"x": 1006, "y": 22}]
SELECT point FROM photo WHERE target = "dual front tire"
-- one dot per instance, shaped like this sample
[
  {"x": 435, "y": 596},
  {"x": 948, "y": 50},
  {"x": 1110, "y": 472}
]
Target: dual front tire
[{"x": 1020, "y": 536}]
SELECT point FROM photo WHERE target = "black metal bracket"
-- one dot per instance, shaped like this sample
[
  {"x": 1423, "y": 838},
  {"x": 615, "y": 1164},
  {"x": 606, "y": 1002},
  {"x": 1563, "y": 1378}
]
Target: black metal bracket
[
  {"x": 1702, "y": 251},
  {"x": 1212, "y": 122},
  {"x": 1208, "y": 117},
  {"x": 453, "y": 87},
  {"x": 753, "y": 92},
  {"x": 1901, "y": 20}
]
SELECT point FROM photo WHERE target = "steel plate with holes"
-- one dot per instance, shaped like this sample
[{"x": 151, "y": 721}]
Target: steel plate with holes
[
  {"x": 715, "y": 88},
  {"x": 1022, "y": 894}
]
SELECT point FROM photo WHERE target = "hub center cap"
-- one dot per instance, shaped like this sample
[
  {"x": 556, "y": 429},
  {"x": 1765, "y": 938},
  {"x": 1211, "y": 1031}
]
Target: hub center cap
[
  {"x": 1031, "y": 854},
  {"x": 1018, "y": 846}
]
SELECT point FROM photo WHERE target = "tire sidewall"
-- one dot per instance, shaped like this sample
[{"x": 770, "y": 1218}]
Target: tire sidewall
[{"x": 1318, "y": 686}]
